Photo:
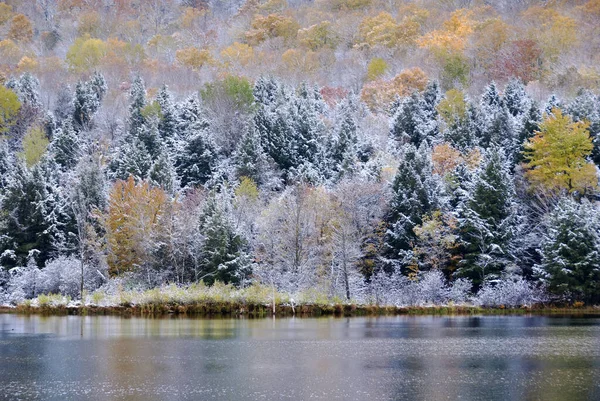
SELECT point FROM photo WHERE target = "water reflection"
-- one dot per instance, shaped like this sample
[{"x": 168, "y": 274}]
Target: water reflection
[{"x": 383, "y": 358}]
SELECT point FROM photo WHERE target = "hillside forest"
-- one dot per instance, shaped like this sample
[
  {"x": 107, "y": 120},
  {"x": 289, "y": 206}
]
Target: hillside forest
[{"x": 390, "y": 152}]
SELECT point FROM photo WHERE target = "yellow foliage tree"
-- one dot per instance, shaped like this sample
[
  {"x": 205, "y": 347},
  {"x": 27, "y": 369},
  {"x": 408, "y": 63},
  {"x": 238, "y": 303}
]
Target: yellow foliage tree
[
  {"x": 5, "y": 13},
  {"x": 85, "y": 54},
  {"x": 272, "y": 26},
  {"x": 557, "y": 156},
  {"x": 378, "y": 95},
  {"x": 376, "y": 68},
  {"x": 556, "y": 33},
  {"x": 132, "y": 219},
  {"x": 193, "y": 58},
  {"x": 382, "y": 30},
  {"x": 9, "y": 108},
  {"x": 238, "y": 53},
  {"x": 27, "y": 64},
  {"x": 10, "y": 53},
  {"x": 21, "y": 29},
  {"x": 35, "y": 143},
  {"x": 318, "y": 36},
  {"x": 453, "y": 107}
]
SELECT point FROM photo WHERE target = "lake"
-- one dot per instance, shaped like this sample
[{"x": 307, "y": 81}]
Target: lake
[{"x": 374, "y": 358}]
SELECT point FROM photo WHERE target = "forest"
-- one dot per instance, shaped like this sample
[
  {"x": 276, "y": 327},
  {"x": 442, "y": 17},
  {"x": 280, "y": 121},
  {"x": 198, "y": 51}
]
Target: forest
[{"x": 363, "y": 151}]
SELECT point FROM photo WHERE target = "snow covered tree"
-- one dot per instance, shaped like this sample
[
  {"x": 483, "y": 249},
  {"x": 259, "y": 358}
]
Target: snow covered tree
[
  {"x": 137, "y": 101},
  {"x": 586, "y": 108},
  {"x": 415, "y": 194},
  {"x": 515, "y": 98},
  {"x": 224, "y": 255},
  {"x": 570, "y": 250},
  {"x": 169, "y": 121},
  {"x": 413, "y": 121},
  {"x": 250, "y": 159},
  {"x": 198, "y": 159},
  {"x": 132, "y": 158},
  {"x": 486, "y": 219},
  {"x": 87, "y": 100},
  {"x": 65, "y": 148}
]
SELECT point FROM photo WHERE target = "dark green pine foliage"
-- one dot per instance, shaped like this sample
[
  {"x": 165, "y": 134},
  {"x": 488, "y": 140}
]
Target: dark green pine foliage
[
  {"x": 250, "y": 160},
  {"x": 570, "y": 249},
  {"x": 530, "y": 124},
  {"x": 7, "y": 166},
  {"x": 198, "y": 160},
  {"x": 344, "y": 149},
  {"x": 516, "y": 99},
  {"x": 87, "y": 100},
  {"x": 137, "y": 101},
  {"x": 169, "y": 121},
  {"x": 586, "y": 107},
  {"x": 415, "y": 194},
  {"x": 224, "y": 255},
  {"x": 65, "y": 148},
  {"x": 486, "y": 219},
  {"x": 37, "y": 215},
  {"x": 413, "y": 121}
]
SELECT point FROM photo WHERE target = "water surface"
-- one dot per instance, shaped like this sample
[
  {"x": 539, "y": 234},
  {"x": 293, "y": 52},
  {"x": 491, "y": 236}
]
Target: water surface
[{"x": 384, "y": 358}]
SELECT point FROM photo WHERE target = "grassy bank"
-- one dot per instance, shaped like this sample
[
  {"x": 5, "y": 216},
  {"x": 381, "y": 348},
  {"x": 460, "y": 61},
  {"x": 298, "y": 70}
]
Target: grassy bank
[{"x": 221, "y": 300}]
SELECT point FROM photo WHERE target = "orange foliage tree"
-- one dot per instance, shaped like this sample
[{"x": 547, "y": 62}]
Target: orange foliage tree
[{"x": 133, "y": 218}]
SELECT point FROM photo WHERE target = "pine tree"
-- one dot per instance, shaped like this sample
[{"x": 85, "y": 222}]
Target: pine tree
[
  {"x": 586, "y": 108},
  {"x": 486, "y": 219},
  {"x": 413, "y": 121},
  {"x": 415, "y": 194},
  {"x": 169, "y": 121},
  {"x": 197, "y": 161},
  {"x": 132, "y": 158},
  {"x": 137, "y": 101},
  {"x": 344, "y": 147},
  {"x": 552, "y": 103},
  {"x": 570, "y": 249},
  {"x": 163, "y": 174},
  {"x": 223, "y": 255},
  {"x": 516, "y": 99},
  {"x": 65, "y": 148},
  {"x": 250, "y": 159}
]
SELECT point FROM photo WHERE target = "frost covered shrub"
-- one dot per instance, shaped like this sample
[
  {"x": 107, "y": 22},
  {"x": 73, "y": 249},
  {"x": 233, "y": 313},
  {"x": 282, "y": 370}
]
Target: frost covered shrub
[
  {"x": 511, "y": 291},
  {"x": 460, "y": 291},
  {"x": 22, "y": 283},
  {"x": 60, "y": 276},
  {"x": 430, "y": 288}
]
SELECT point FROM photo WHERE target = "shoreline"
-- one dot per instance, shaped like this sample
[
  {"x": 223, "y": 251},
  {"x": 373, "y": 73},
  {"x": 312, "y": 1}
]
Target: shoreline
[{"x": 211, "y": 310}]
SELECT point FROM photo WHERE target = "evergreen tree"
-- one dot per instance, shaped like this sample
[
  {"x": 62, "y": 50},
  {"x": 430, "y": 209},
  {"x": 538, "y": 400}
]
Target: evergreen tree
[
  {"x": 250, "y": 159},
  {"x": 586, "y": 108},
  {"x": 132, "y": 158},
  {"x": 137, "y": 101},
  {"x": 486, "y": 219},
  {"x": 413, "y": 121},
  {"x": 570, "y": 251},
  {"x": 516, "y": 99},
  {"x": 344, "y": 147},
  {"x": 197, "y": 161},
  {"x": 415, "y": 194},
  {"x": 224, "y": 254},
  {"x": 552, "y": 103},
  {"x": 65, "y": 147},
  {"x": 64, "y": 107},
  {"x": 163, "y": 174},
  {"x": 169, "y": 121}
]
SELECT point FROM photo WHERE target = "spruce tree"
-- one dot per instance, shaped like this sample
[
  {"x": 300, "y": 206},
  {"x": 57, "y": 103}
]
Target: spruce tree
[
  {"x": 415, "y": 193},
  {"x": 137, "y": 101},
  {"x": 570, "y": 249},
  {"x": 65, "y": 148},
  {"x": 486, "y": 219},
  {"x": 223, "y": 256},
  {"x": 250, "y": 160}
]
